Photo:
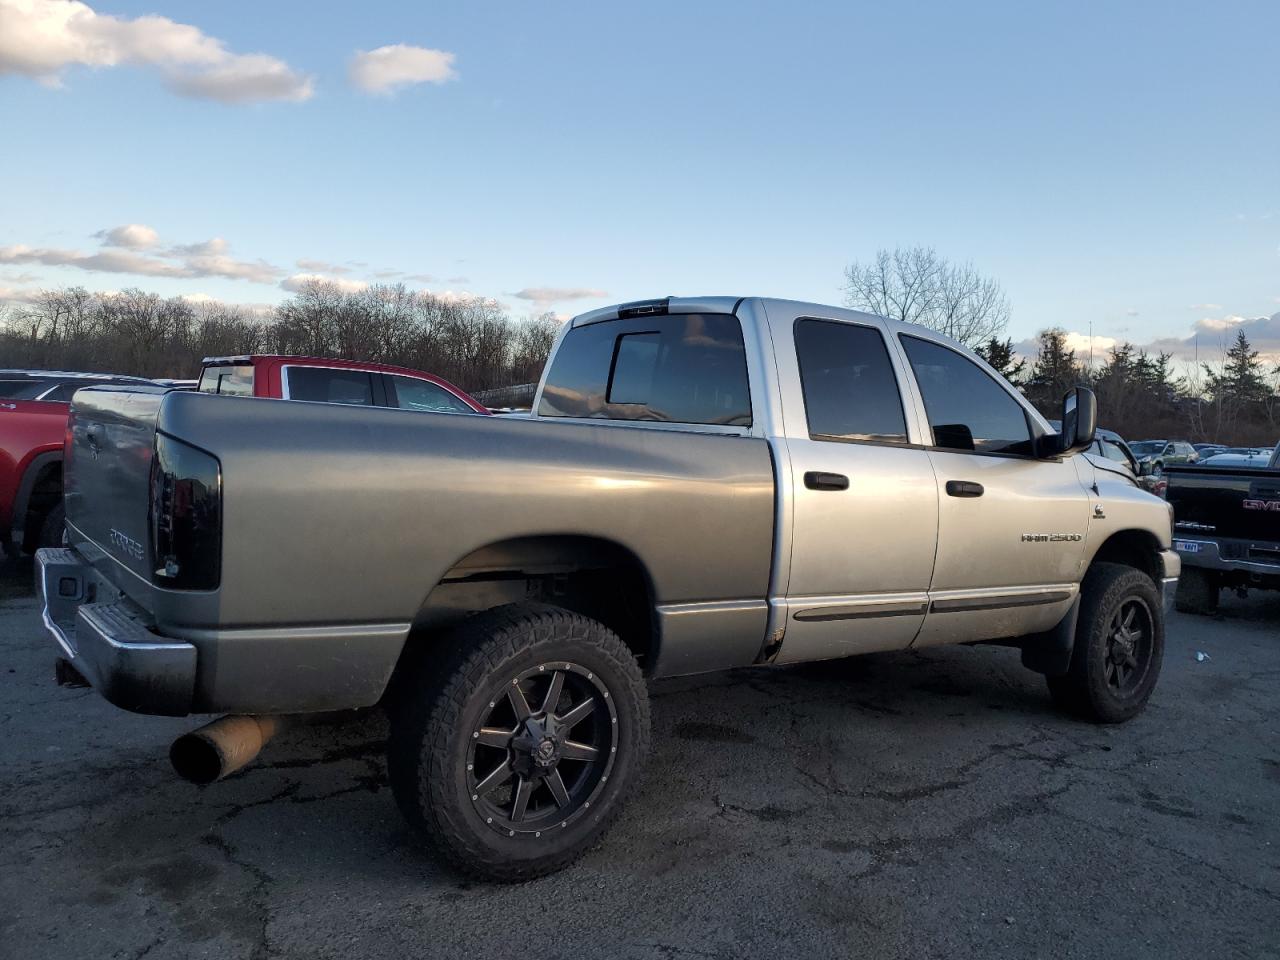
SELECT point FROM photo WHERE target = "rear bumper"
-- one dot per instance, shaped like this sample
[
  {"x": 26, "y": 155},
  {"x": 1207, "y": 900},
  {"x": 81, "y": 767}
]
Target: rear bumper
[
  {"x": 1210, "y": 555},
  {"x": 109, "y": 640},
  {"x": 104, "y": 637}
]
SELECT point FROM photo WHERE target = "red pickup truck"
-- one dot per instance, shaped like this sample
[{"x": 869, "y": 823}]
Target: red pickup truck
[
  {"x": 33, "y": 422},
  {"x": 34, "y": 405},
  {"x": 334, "y": 381}
]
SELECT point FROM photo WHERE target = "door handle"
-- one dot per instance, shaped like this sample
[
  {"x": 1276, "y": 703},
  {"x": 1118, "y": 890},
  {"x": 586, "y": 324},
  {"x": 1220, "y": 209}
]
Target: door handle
[
  {"x": 816, "y": 480},
  {"x": 963, "y": 488}
]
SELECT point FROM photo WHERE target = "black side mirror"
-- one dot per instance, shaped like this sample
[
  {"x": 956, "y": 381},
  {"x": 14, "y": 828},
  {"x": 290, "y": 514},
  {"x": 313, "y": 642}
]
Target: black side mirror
[{"x": 1079, "y": 421}]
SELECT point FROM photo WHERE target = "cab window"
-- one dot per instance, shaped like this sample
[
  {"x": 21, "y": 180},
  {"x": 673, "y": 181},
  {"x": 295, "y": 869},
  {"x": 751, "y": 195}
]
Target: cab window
[
  {"x": 850, "y": 391},
  {"x": 967, "y": 409},
  {"x": 410, "y": 393},
  {"x": 330, "y": 385}
]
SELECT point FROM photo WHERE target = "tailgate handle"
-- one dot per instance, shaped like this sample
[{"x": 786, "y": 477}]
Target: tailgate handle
[
  {"x": 963, "y": 488},
  {"x": 816, "y": 480}
]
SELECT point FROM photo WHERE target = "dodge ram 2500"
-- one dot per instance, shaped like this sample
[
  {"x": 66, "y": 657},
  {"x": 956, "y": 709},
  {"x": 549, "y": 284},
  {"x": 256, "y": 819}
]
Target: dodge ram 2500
[{"x": 703, "y": 484}]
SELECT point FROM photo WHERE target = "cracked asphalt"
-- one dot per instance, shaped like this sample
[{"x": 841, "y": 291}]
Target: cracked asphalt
[{"x": 902, "y": 805}]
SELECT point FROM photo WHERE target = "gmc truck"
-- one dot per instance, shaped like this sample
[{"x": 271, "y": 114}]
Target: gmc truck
[
  {"x": 703, "y": 484},
  {"x": 1227, "y": 529}
]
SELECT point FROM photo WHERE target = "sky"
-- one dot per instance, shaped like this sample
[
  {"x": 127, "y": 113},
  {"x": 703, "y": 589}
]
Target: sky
[{"x": 1116, "y": 166}]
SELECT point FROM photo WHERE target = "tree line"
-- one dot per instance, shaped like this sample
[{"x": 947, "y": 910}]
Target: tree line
[
  {"x": 472, "y": 342},
  {"x": 1233, "y": 400}
]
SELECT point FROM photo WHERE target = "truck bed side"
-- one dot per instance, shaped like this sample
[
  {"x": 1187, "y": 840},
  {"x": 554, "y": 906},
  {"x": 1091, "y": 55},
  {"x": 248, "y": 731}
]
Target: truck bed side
[{"x": 346, "y": 518}]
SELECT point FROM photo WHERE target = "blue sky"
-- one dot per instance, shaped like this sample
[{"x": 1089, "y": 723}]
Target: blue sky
[{"x": 1110, "y": 163}]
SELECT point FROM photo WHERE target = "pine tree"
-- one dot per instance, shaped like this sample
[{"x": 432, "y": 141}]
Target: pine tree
[
  {"x": 1241, "y": 379},
  {"x": 999, "y": 354},
  {"x": 1056, "y": 371}
]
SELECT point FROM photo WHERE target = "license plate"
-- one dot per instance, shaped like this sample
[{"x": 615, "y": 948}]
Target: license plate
[{"x": 1186, "y": 546}]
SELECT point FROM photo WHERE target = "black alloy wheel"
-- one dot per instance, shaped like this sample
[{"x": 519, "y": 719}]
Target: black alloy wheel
[
  {"x": 543, "y": 751},
  {"x": 1128, "y": 647}
]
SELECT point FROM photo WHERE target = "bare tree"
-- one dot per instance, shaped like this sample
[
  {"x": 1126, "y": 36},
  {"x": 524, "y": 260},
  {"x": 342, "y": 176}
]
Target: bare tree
[{"x": 917, "y": 285}]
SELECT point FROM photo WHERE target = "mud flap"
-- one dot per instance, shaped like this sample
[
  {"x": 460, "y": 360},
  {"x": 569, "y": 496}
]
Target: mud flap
[{"x": 1050, "y": 652}]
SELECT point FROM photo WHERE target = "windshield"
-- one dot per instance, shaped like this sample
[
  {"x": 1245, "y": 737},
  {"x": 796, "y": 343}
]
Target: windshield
[{"x": 1147, "y": 448}]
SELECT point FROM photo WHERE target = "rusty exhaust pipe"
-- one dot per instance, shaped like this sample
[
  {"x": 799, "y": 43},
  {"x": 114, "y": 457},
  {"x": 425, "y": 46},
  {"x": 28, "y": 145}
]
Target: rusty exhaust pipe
[{"x": 220, "y": 748}]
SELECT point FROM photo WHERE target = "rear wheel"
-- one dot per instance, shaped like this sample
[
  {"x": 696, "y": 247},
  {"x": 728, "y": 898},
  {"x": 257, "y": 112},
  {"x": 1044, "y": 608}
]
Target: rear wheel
[
  {"x": 1198, "y": 591},
  {"x": 515, "y": 755},
  {"x": 1119, "y": 646}
]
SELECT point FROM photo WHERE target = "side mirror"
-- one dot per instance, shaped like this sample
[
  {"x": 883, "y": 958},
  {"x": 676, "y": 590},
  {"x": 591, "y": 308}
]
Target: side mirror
[{"x": 1079, "y": 421}]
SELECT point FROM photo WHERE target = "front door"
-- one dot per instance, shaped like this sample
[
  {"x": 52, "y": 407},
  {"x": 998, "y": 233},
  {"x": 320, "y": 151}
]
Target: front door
[
  {"x": 1011, "y": 527},
  {"x": 863, "y": 496}
]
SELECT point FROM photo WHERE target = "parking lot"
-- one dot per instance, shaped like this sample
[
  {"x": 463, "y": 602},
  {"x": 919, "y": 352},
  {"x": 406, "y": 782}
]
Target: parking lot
[{"x": 909, "y": 805}]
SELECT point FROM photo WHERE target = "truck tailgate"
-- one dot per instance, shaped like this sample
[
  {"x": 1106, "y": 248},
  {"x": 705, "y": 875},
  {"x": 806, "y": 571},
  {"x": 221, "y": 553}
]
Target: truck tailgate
[
  {"x": 1223, "y": 502},
  {"x": 107, "y": 473}
]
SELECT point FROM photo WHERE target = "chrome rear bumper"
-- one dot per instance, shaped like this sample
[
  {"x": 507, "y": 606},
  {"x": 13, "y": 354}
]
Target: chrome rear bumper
[{"x": 104, "y": 638}]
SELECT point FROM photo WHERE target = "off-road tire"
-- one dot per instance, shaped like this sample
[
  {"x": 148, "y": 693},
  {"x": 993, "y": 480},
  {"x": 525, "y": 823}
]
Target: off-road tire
[
  {"x": 53, "y": 528},
  {"x": 441, "y": 696},
  {"x": 1084, "y": 690},
  {"x": 1198, "y": 592}
]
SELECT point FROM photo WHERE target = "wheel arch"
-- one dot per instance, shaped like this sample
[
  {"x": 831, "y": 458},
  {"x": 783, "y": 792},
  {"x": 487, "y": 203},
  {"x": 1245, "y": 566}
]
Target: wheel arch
[
  {"x": 594, "y": 576},
  {"x": 41, "y": 484},
  {"x": 1133, "y": 547}
]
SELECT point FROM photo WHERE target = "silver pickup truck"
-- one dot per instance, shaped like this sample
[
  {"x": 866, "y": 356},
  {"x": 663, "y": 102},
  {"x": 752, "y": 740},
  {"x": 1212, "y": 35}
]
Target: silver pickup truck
[{"x": 704, "y": 484}]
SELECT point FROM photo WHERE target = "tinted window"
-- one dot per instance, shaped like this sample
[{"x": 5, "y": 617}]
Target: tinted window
[
  {"x": 22, "y": 389},
  {"x": 236, "y": 381},
  {"x": 688, "y": 368},
  {"x": 413, "y": 394},
  {"x": 967, "y": 409},
  {"x": 850, "y": 392},
  {"x": 323, "y": 385},
  {"x": 65, "y": 391}
]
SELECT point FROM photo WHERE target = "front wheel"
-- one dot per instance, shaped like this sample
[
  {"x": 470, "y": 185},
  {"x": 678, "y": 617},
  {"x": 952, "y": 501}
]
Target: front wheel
[
  {"x": 513, "y": 751},
  {"x": 1119, "y": 646}
]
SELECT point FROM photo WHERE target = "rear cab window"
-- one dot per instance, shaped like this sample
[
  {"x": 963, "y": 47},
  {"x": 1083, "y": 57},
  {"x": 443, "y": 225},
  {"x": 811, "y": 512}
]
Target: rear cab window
[
  {"x": 233, "y": 380},
  {"x": 680, "y": 368}
]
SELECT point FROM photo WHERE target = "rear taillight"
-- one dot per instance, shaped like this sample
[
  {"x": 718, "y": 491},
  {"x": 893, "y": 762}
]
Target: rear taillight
[{"x": 186, "y": 516}]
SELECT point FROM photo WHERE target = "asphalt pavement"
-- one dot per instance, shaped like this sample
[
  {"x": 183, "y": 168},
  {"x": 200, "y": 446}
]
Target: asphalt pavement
[{"x": 917, "y": 805}]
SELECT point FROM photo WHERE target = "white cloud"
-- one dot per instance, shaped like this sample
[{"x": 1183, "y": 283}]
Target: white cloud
[
  {"x": 388, "y": 69},
  {"x": 542, "y": 296},
  {"x": 1209, "y": 306},
  {"x": 1079, "y": 342},
  {"x": 41, "y": 38},
  {"x": 205, "y": 248},
  {"x": 206, "y": 259},
  {"x": 301, "y": 281},
  {"x": 1218, "y": 324},
  {"x": 134, "y": 236},
  {"x": 321, "y": 266}
]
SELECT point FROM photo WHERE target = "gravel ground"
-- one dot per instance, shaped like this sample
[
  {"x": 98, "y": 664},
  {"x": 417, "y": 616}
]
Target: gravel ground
[{"x": 902, "y": 805}]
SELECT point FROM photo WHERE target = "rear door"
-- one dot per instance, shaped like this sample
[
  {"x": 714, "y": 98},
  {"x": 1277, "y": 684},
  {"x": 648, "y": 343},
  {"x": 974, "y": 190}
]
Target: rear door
[
  {"x": 863, "y": 495},
  {"x": 1011, "y": 527}
]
